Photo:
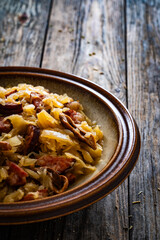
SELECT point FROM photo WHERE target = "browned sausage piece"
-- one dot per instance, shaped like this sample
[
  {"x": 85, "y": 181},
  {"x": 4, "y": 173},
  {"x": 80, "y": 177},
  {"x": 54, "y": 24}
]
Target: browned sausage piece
[
  {"x": 36, "y": 100},
  {"x": 74, "y": 105},
  {"x": 5, "y": 125},
  {"x": 31, "y": 139},
  {"x": 76, "y": 116},
  {"x": 5, "y": 146},
  {"x": 17, "y": 176},
  {"x": 10, "y": 108},
  {"x": 58, "y": 164},
  {"x": 30, "y": 196},
  {"x": 68, "y": 123}
]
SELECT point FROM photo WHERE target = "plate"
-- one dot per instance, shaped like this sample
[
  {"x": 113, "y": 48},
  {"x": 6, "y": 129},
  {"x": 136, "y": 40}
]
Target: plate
[{"x": 120, "y": 151}]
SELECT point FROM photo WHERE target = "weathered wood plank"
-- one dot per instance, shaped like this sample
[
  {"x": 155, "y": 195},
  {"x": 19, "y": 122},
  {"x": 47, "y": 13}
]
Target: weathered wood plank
[
  {"x": 143, "y": 54},
  {"x": 87, "y": 38},
  {"x": 22, "y": 30}
]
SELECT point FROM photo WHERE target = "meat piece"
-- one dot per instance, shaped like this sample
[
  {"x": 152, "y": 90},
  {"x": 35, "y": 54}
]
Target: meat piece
[
  {"x": 5, "y": 125},
  {"x": 11, "y": 108},
  {"x": 17, "y": 176},
  {"x": 8, "y": 94},
  {"x": 30, "y": 196},
  {"x": 60, "y": 182},
  {"x": 31, "y": 139},
  {"x": 43, "y": 193},
  {"x": 35, "y": 195},
  {"x": 76, "y": 116},
  {"x": 36, "y": 100},
  {"x": 5, "y": 146},
  {"x": 74, "y": 105},
  {"x": 58, "y": 164},
  {"x": 68, "y": 123}
]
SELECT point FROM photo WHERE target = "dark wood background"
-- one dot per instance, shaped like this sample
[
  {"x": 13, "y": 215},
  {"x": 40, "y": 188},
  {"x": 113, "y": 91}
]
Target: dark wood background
[{"x": 115, "y": 43}]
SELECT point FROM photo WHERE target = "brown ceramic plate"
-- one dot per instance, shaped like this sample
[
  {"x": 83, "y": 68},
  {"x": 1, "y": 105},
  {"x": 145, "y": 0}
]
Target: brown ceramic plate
[{"x": 121, "y": 145}]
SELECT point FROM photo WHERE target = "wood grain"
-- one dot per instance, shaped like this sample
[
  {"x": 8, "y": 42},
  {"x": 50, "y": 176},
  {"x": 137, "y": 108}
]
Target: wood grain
[
  {"x": 143, "y": 56},
  {"x": 22, "y": 31},
  {"x": 88, "y": 40}
]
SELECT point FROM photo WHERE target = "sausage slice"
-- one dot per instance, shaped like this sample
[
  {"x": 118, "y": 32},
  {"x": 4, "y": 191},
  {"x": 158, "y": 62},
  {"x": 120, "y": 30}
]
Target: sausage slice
[
  {"x": 5, "y": 125},
  {"x": 10, "y": 108},
  {"x": 17, "y": 176},
  {"x": 58, "y": 164},
  {"x": 31, "y": 139}
]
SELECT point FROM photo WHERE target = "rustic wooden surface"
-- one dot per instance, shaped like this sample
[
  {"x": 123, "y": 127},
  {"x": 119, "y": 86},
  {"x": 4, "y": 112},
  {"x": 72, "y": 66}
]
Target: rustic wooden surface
[
  {"x": 23, "y": 26},
  {"x": 143, "y": 65},
  {"x": 117, "y": 45}
]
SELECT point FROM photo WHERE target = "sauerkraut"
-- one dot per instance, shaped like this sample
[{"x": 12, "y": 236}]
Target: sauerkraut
[{"x": 46, "y": 143}]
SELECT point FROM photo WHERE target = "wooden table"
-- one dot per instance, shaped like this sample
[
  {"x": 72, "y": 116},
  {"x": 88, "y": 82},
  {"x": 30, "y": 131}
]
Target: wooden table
[{"x": 115, "y": 43}]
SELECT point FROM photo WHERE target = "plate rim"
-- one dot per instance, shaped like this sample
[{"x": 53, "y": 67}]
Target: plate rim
[{"x": 89, "y": 197}]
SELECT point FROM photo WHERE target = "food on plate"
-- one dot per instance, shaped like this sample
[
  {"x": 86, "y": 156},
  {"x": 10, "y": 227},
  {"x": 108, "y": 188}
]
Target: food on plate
[{"x": 46, "y": 143}]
